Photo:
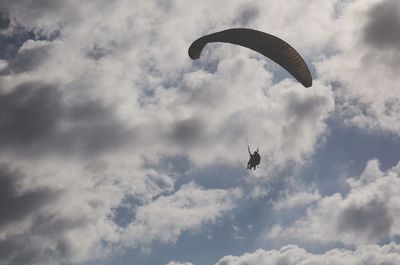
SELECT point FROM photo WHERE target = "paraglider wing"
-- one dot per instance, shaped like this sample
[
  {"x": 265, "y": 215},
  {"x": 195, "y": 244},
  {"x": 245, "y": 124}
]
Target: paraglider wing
[{"x": 270, "y": 46}]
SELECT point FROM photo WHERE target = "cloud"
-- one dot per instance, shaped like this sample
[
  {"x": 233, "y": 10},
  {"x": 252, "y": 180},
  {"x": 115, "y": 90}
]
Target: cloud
[
  {"x": 31, "y": 230},
  {"x": 71, "y": 220},
  {"x": 366, "y": 47},
  {"x": 4, "y": 20},
  {"x": 11, "y": 39},
  {"x": 367, "y": 214},
  {"x": 43, "y": 14},
  {"x": 247, "y": 13},
  {"x": 188, "y": 209},
  {"x": 179, "y": 263},
  {"x": 383, "y": 26},
  {"x": 35, "y": 121},
  {"x": 293, "y": 255},
  {"x": 95, "y": 95},
  {"x": 187, "y": 131},
  {"x": 372, "y": 219},
  {"x": 16, "y": 204},
  {"x": 299, "y": 199},
  {"x": 34, "y": 230},
  {"x": 173, "y": 99},
  {"x": 27, "y": 58}
]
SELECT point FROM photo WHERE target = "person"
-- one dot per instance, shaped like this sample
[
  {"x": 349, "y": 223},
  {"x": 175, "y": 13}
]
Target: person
[{"x": 254, "y": 159}]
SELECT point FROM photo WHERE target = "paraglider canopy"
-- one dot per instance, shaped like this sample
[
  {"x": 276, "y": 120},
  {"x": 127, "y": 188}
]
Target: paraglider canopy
[{"x": 270, "y": 46}]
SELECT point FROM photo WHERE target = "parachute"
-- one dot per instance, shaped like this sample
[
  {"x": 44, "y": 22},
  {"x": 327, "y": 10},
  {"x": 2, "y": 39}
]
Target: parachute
[{"x": 268, "y": 45}]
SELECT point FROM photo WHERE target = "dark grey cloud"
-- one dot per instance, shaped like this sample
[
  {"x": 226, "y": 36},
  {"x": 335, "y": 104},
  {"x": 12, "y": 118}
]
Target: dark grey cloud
[
  {"x": 47, "y": 241},
  {"x": 97, "y": 52},
  {"x": 31, "y": 116},
  {"x": 32, "y": 3},
  {"x": 20, "y": 250},
  {"x": 247, "y": 14},
  {"x": 25, "y": 248},
  {"x": 303, "y": 108},
  {"x": 25, "y": 61},
  {"x": 301, "y": 112},
  {"x": 14, "y": 204},
  {"x": 383, "y": 28},
  {"x": 34, "y": 6},
  {"x": 371, "y": 221},
  {"x": 10, "y": 43},
  {"x": 94, "y": 130},
  {"x": 188, "y": 131},
  {"x": 12, "y": 40},
  {"x": 392, "y": 107},
  {"x": 4, "y": 20}
]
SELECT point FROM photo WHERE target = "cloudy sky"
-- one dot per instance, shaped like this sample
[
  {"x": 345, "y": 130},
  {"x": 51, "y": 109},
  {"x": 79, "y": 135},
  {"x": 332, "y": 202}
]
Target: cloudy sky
[{"x": 117, "y": 148}]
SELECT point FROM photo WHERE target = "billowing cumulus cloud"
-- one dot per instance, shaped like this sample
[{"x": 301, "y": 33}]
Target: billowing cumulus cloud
[
  {"x": 293, "y": 255},
  {"x": 167, "y": 217},
  {"x": 363, "y": 69},
  {"x": 95, "y": 96},
  {"x": 63, "y": 224},
  {"x": 367, "y": 214},
  {"x": 383, "y": 25},
  {"x": 298, "y": 199}
]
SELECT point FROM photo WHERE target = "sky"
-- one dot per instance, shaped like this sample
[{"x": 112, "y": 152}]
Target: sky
[{"x": 117, "y": 148}]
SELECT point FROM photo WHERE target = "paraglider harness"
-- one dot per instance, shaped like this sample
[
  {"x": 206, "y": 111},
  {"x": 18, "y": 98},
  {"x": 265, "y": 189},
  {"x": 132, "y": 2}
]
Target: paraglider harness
[{"x": 254, "y": 159}]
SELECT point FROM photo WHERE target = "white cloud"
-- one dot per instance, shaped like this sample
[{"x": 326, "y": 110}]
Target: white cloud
[
  {"x": 106, "y": 90},
  {"x": 167, "y": 217},
  {"x": 179, "y": 263},
  {"x": 294, "y": 255},
  {"x": 299, "y": 199},
  {"x": 153, "y": 97},
  {"x": 365, "y": 64},
  {"x": 367, "y": 214}
]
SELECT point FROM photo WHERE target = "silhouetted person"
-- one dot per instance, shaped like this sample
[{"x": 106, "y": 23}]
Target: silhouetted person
[{"x": 254, "y": 159}]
